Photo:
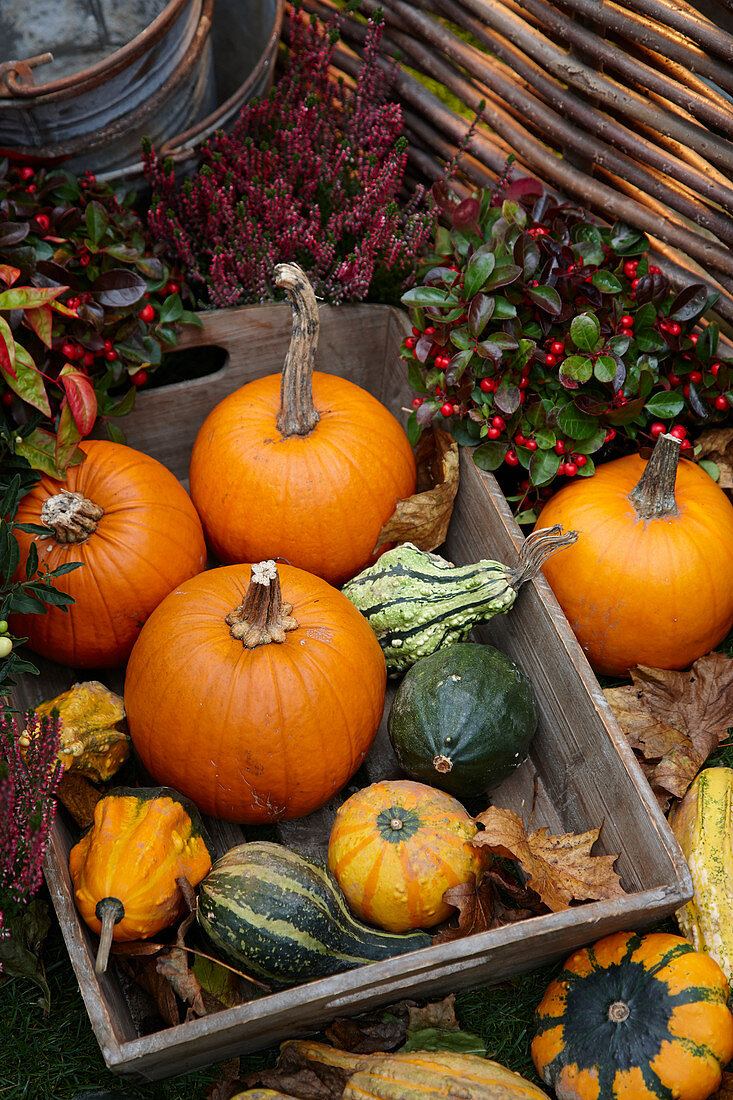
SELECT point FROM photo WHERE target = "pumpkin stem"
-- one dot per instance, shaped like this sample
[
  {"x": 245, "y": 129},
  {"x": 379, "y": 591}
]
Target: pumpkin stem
[
  {"x": 109, "y": 911},
  {"x": 653, "y": 495},
  {"x": 442, "y": 764},
  {"x": 618, "y": 1012},
  {"x": 71, "y": 517},
  {"x": 262, "y": 617},
  {"x": 298, "y": 414},
  {"x": 536, "y": 549}
]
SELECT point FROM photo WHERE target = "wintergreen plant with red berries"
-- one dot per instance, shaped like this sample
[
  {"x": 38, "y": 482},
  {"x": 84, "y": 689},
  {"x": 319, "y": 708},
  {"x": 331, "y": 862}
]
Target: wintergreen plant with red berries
[
  {"x": 85, "y": 311},
  {"x": 547, "y": 341}
]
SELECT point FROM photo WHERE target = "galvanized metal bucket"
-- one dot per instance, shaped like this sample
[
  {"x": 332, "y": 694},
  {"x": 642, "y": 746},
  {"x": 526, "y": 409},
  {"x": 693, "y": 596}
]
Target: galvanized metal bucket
[{"x": 184, "y": 76}]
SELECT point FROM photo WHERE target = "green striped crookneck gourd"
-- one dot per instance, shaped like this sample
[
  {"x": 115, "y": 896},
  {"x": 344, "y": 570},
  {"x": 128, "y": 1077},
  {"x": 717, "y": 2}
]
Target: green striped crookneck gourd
[
  {"x": 417, "y": 602},
  {"x": 282, "y": 918},
  {"x": 635, "y": 1017},
  {"x": 704, "y": 830}
]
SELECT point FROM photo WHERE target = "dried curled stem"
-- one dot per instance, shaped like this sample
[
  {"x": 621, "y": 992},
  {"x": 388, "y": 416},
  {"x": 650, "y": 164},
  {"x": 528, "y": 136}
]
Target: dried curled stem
[
  {"x": 298, "y": 414},
  {"x": 262, "y": 617},
  {"x": 70, "y": 516},
  {"x": 536, "y": 549}
]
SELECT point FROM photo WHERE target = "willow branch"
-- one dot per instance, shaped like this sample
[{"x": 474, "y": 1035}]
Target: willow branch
[{"x": 689, "y": 23}]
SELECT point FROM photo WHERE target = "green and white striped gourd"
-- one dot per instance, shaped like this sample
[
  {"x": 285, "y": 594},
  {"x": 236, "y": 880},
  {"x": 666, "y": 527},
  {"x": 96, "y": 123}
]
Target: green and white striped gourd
[
  {"x": 282, "y": 918},
  {"x": 417, "y": 603}
]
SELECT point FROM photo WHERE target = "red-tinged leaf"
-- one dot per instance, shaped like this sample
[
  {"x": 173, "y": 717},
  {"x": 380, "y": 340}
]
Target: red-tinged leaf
[
  {"x": 7, "y": 350},
  {"x": 27, "y": 381},
  {"x": 81, "y": 397},
  {"x": 67, "y": 436},
  {"x": 8, "y": 274},
  {"x": 39, "y": 449},
  {"x": 41, "y": 321},
  {"x": 29, "y": 297}
]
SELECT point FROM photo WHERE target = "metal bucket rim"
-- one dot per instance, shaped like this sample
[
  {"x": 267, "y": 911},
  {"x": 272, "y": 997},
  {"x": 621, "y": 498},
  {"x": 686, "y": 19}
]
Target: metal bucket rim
[{"x": 108, "y": 66}]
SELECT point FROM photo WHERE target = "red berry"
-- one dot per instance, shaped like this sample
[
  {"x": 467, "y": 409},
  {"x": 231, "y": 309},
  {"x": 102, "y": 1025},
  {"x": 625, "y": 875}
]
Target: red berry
[
  {"x": 488, "y": 385},
  {"x": 561, "y": 469},
  {"x": 634, "y": 284},
  {"x": 610, "y": 434},
  {"x": 84, "y": 259},
  {"x": 110, "y": 355},
  {"x": 673, "y": 328},
  {"x": 695, "y": 376},
  {"x": 499, "y": 422},
  {"x": 88, "y": 359},
  {"x": 429, "y": 330},
  {"x": 626, "y": 332},
  {"x": 139, "y": 378},
  {"x": 550, "y": 360},
  {"x": 627, "y": 321},
  {"x": 678, "y": 431},
  {"x": 523, "y": 382},
  {"x": 511, "y": 458},
  {"x": 538, "y": 231},
  {"x": 630, "y": 267},
  {"x": 714, "y": 368},
  {"x": 409, "y": 342},
  {"x": 685, "y": 445},
  {"x": 522, "y": 396},
  {"x": 693, "y": 337},
  {"x": 654, "y": 270},
  {"x": 526, "y": 369},
  {"x": 7, "y": 399},
  {"x": 519, "y": 439},
  {"x": 43, "y": 222},
  {"x": 656, "y": 428},
  {"x": 673, "y": 379},
  {"x": 108, "y": 345},
  {"x": 686, "y": 390},
  {"x": 531, "y": 444},
  {"x": 721, "y": 402},
  {"x": 447, "y": 409},
  {"x": 559, "y": 447},
  {"x": 68, "y": 351},
  {"x": 493, "y": 433},
  {"x": 173, "y": 288},
  {"x": 415, "y": 331},
  {"x": 557, "y": 348},
  {"x": 26, "y": 172},
  {"x": 580, "y": 460},
  {"x": 416, "y": 402},
  {"x": 570, "y": 469}
]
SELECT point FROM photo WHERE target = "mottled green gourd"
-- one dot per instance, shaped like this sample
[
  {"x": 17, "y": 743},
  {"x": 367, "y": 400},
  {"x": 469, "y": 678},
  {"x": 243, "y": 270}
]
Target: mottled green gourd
[
  {"x": 281, "y": 917},
  {"x": 417, "y": 603}
]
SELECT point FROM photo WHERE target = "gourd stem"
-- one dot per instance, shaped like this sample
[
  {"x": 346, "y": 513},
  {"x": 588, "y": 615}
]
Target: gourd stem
[
  {"x": 298, "y": 414},
  {"x": 653, "y": 495},
  {"x": 109, "y": 911},
  {"x": 442, "y": 764},
  {"x": 262, "y": 617},
  {"x": 70, "y": 516},
  {"x": 536, "y": 549},
  {"x": 618, "y": 1012}
]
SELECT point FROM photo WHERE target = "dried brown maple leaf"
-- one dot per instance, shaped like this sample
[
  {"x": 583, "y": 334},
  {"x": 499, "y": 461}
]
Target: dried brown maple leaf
[
  {"x": 475, "y": 900},
  {"x": 79, "y": 796},
  {"x": 725, "y": 1092},
  {"x": 675, "y": 719},
  {"x": 716, "y": 445},
  {"x": 423, "y": 518},
  {"x": 441, "y": 1014},
  {"x": 560, "y": 867}
]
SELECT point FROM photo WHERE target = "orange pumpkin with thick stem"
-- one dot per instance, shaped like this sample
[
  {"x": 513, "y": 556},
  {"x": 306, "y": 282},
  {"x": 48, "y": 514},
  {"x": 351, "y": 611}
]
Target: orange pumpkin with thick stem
[
  {"x": 650, "y": 579},
  {"x": 306, "y": 467},
  {"x": 257, "y": 702},
  {"x": 132, "y": 526},
  {"x": 396, "y": 847}
]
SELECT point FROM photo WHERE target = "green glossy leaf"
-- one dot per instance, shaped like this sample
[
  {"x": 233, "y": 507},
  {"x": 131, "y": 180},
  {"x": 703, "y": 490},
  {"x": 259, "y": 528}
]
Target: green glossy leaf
[
  {"x": 67, "y": 436},
  {"x": 171, "y": 310},
  {"x": 116, "y": 434},
  {"x": 585, "y": 332},
  {"x": 29, "y": 297},
  {"x": 710, "y": 468},
  {"x": 665, "y": 405},
  {"x": 546, "y": 298},
  {"x": 440, "y": 1038},
  {"x": 579, "y": 367},
  {"x": 39, "y": 449},
  {"x": 27, "y": 382},
  {"x": 31, "y": 564},
  {"x": 478, "y": 270},
  {"x": 415, "y": 376},
  {"x": 689, "y": 303},
  {"x": 575, "y": 424},
  {"x": 97, "y": 222},
  {"x": 489, "y": 456},
  {"x": 543, "y": 467},
  {"x": 502, "y": 275},
  {"x": 606, "y": 282},
  {"x": 605, "y": 368},
  {"x": 428, "y": 296},
  {"x": 504, "y": 310},
  {"x": 506, "y": 398},
  {"x": 7, "y": 348}
]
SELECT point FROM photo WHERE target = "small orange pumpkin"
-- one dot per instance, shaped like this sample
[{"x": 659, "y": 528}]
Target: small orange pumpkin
[
  {"x": 650, "y": 579},
  {"x": 307, "y": 467},
  {"x": 133, "y": 528},
  {"x": 124, "y": 868},
  {"x": 396, "y": 847},
  {"x": 255, "y": 708},
  {"x": 635, "y": 1018}
]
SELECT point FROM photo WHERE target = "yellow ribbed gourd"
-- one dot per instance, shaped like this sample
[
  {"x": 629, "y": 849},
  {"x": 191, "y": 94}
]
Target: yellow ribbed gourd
[{"x": 702, "y": 824}]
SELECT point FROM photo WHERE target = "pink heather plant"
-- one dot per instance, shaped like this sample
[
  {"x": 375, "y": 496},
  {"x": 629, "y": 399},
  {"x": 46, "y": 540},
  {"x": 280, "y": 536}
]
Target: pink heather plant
[
  {"x": 29, "y": 776},
  {"x": 310, "y": 174}
]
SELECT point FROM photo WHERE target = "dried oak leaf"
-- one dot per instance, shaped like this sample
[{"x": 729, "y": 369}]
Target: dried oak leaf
[
  {"x": 79, "y": 796},
  {"x": 475, "y": 901},
  {"x": 676, "y": 719},
  {"x": 173, "y": 966},
  {"x": 294, "y": 1075},
  {"x": 228, "y": 1084},
  {"x": 560, "y": 867},
  {"x": 440, "y": 1014},
  {"x": 370, "y": 1032},
  {"x": 423, "y": 518},
  {"x": 716, "y": 445},
  {"x": 725, "y": 1092}
]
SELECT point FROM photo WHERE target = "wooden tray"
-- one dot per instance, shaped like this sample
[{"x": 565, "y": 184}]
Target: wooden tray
[{"x": 584, "y": 773}]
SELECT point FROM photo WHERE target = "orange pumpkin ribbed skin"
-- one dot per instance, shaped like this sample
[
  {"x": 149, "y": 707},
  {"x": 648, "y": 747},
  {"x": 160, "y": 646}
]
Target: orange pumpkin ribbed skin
[
  {"x": 394, "y": 875},
  {"x": 134, "y": 851},
  {"x": 657, "y": 592},
  {"x": 318, "y": 500},
  {"x": 148, "y": 540},
  {"x": 254, "y": 735},
  {"x": 635, "y": 1018}
]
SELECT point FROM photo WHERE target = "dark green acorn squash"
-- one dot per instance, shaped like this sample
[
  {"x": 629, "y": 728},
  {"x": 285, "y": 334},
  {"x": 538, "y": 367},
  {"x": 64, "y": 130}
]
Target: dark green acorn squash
[{"x": 463, "y": 718}]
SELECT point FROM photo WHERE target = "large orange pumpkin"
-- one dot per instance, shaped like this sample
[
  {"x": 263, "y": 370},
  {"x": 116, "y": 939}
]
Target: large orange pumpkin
[
  {"x": 396, "y": 847},
  {"x": 650, "y": 579},
  {"x": 133, "y": 527},
  {"x": 255, "y": 708},
  {"x": 306, "y": 467}
]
